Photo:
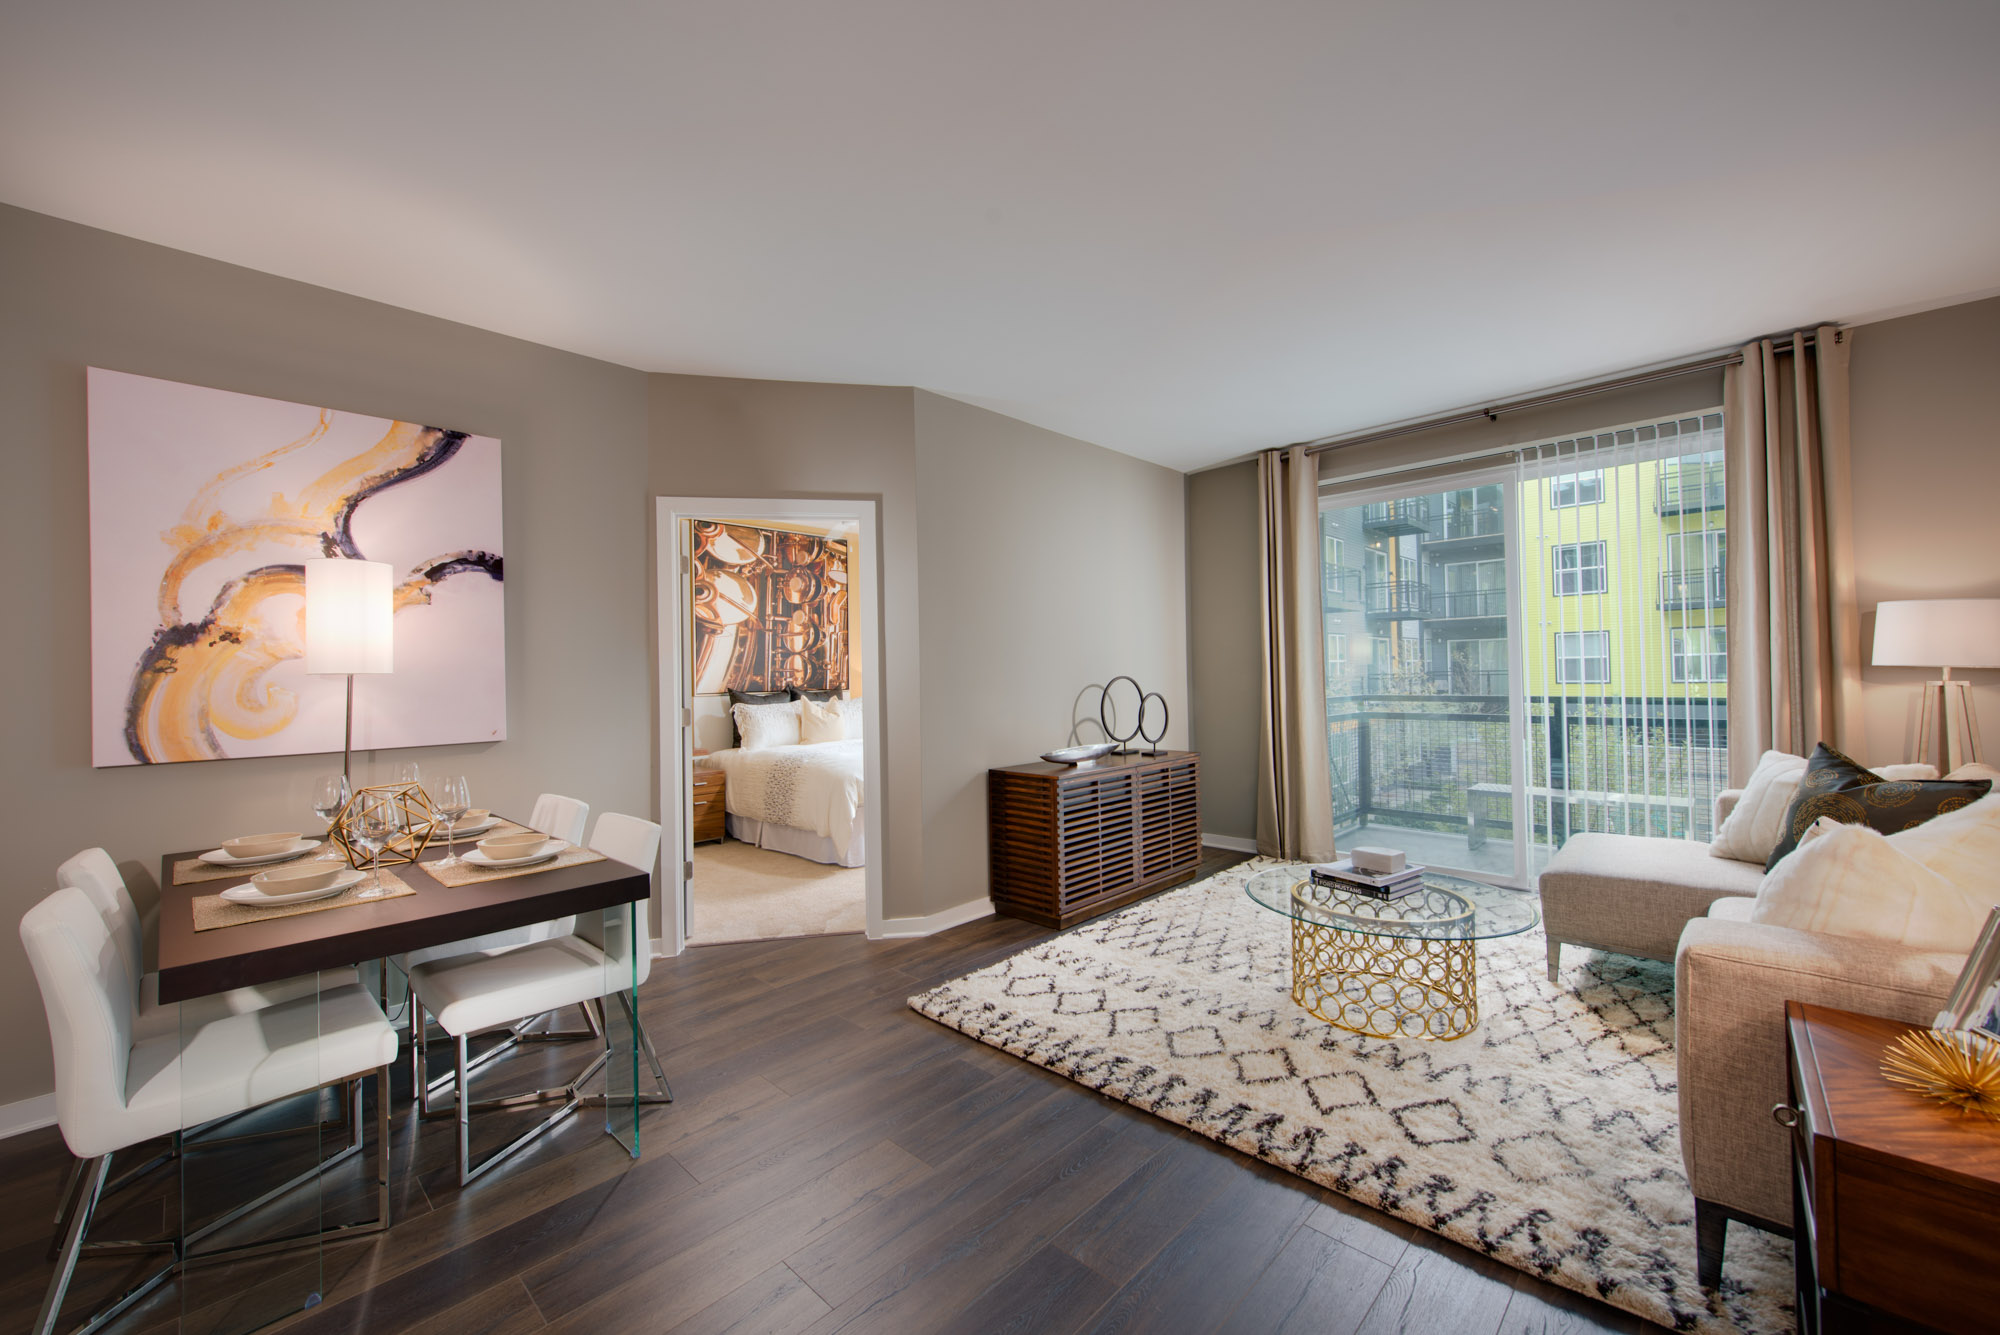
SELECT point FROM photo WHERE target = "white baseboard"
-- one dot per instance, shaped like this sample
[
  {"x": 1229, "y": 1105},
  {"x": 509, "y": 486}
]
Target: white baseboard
[
  {"x": 957, "y": 916},
  {"x": 27, "y": 1115},
  {"x": 1229, "y": 842}
]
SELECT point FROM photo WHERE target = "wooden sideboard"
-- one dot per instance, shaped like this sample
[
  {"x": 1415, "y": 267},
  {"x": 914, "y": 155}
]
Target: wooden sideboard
[
  {"x": 1894, "y": 1196},
  {"x": 1068, "y": 842}
]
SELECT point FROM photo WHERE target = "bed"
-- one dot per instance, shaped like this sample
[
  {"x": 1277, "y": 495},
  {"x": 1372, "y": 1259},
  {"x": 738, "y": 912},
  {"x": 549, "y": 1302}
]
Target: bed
[{"x": 804, "y": 800}]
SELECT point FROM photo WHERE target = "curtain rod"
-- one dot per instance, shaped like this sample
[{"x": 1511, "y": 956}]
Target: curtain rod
[{"x": 1707, "y": 362}]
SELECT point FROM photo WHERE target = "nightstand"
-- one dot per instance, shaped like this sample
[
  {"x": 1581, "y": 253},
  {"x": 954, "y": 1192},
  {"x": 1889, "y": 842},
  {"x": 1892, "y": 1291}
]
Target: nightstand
[
  {"x": 1894, "y": 1197},
  {"x": 706, "y": 804}
]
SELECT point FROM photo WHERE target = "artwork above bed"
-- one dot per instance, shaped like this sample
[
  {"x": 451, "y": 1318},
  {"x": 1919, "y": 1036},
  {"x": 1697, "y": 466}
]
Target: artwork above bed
[{"x": 769, "y": 609}]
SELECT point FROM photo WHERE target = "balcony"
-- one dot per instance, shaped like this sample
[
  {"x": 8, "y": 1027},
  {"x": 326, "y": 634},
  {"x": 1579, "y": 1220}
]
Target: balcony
[
  {"x": 1340, "y": 588},
  {"x": 1398, "y": 600},
  {"x": 1688, "y": 490},
  {"x": 1425, "y": 681},
  {"x": 1473, "y": 522},
  {"x": 1688, "y": 590},
  {"x": 1410, "y": 515},
  {"x": 1468, "y": 604}
]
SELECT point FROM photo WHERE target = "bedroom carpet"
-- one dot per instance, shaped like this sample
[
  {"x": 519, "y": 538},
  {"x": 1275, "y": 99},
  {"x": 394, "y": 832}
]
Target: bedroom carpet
[
  {"x": 744, "y": 893},
  {"x": 1547, "y": 1139}
]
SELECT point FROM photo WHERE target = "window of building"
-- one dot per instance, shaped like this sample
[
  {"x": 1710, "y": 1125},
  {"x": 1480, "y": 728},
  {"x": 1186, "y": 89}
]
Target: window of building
[
  {"x": 1336, "y": 654},
  {"x": 1336, "y": 550},
  {"x": 1583, "y": 656},
  {"x": 1478, "y": 667},
  {"x": 1475, "y": 589},
  {"x": 1701, "y": 653},
  {"x": 1577, "y": 488},
  {"x": 1579, "y": 568}
]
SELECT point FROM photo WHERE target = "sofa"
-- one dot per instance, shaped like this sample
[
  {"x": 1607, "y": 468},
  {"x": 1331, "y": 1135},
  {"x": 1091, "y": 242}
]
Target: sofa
[{"x": 1670, "y": 900}]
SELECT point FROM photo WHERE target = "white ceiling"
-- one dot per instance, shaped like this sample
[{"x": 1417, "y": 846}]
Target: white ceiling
[{"x": 1183, "y": 231}]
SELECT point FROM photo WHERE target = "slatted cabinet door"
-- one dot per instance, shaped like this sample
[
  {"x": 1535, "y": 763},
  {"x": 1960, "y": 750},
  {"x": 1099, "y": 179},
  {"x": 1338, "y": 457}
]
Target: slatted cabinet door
[{"x": 1069, "y": 842}]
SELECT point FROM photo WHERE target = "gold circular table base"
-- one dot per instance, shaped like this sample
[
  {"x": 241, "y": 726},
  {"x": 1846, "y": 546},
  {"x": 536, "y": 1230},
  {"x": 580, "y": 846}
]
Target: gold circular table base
[{"x": 1385, "y": 986}]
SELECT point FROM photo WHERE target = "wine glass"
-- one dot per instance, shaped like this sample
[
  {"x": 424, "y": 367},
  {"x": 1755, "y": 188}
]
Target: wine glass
[
  {"x": 379, "y": 820},
  {"x": 409, "y": 772},
  {"x": 330, "y": 795},
  {"x": 452, "y": 797}
]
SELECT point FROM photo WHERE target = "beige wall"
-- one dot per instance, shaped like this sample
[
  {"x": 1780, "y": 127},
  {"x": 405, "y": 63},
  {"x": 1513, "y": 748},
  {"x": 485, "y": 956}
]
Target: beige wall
[
  {"x": 576, "y": 467},
  {"x": 1926, "y": 433},
  {"x": 1048, "y": 564},
  {"x": 1223, "y": 593}
]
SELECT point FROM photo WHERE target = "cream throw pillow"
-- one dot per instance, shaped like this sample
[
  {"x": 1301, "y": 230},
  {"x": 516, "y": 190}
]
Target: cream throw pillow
[
  {"x": 762, "y": 726},
  {"x": 1849, "y": 880},
  {"x": 1753, "y": 829},
  {"x": 822, "y": 722}
]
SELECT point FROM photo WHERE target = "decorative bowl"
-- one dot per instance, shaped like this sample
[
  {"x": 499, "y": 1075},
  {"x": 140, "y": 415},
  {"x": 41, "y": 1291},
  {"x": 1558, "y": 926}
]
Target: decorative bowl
[
  {"x": 260, "y": 845},
  {"x": 1076, "y": 755},
  {"x": 296, "y": 880},
  {"x": 512, "y": 845},
  {"x": 473, "y": 815}
]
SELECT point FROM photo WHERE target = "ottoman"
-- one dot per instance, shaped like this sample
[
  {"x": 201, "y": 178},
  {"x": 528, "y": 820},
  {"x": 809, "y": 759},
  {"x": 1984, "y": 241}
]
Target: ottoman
[{"x": 1631, "y": 894}]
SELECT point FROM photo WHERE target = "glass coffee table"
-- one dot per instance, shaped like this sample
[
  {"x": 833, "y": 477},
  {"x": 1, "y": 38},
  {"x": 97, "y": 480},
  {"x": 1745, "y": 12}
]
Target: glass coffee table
[{"x": 1393, "y": 968}]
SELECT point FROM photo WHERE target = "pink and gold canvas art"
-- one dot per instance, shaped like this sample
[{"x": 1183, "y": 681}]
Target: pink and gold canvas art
[{"x": 203, "y": 505}]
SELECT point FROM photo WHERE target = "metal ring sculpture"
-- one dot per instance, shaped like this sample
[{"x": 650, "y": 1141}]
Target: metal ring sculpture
[
  {"x": 1105, "y": 723},
  {"x": 1153, "y": 738}
]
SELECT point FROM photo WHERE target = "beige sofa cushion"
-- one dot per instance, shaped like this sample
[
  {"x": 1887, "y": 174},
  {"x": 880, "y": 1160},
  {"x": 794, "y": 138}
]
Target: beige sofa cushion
[
  {"x": 1849, "y": 880},
  {"x": 1633, "y": 894},
  {"x": 1734, "y": 909}
]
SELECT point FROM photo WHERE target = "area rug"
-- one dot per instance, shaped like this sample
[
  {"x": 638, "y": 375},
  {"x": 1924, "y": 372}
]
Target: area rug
[{"x": 1547, "y": 1139}]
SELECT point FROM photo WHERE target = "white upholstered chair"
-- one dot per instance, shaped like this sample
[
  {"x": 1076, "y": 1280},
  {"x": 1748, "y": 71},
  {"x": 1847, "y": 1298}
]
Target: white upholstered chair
[
  {"x": 116, "y": 1088},
  {"x": 93, "y": 872},
  {"x": 482, "y": 991}
]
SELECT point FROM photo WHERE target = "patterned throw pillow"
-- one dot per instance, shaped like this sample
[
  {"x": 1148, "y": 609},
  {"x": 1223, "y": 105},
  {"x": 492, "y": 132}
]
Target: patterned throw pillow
[
  {"x": 1837, "y": 787},
  {"x": 759, "y": 727}
]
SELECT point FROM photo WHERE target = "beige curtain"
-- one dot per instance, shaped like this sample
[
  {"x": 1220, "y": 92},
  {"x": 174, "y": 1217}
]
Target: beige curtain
[
  {"x": 1294, "y": 789},
  {"x": 1795, "y": 630}
]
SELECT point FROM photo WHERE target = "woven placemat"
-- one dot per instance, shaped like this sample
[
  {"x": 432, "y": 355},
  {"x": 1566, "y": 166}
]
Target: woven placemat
[
  {"x": 189, "y": 871},
  {"x": 465, "y": 873},
  {"x": 211, "y": 911}
]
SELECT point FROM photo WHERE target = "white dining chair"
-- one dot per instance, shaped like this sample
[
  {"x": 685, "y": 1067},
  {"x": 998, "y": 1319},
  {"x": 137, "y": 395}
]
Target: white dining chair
[
  {"x": 116, "y": 1088},
  {"x": 93, "y": 872},
  {"x": 478, "y": 992}
]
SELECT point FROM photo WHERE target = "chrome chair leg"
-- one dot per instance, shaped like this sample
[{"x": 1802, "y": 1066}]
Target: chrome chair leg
[{"x": 91, "y": 1190}]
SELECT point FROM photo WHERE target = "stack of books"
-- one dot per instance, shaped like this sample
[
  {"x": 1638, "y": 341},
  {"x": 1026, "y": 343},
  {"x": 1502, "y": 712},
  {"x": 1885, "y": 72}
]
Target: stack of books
[{"x": 1343, "y": 875}]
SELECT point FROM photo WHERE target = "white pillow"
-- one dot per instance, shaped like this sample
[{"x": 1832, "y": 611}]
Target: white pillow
[
  {"x": 850, "y": 714},
  {"x": 1975, "y": 770},
  {"x": 1963, "y": 846},
  {"x": 822, "y": 722},
  {"x": 1751, "y": 832},
  {"x": 1849, "y": 880},
  {"x": 761, "y": 726}
]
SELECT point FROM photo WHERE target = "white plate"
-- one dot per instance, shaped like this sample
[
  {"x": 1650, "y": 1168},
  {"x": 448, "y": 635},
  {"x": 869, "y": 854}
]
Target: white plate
[
  {"x": 548, "y": 850},
  {"x": 221, "y": 858},
  {"x": 464, "y": 830},
  {"x": 251, "y": 895}
]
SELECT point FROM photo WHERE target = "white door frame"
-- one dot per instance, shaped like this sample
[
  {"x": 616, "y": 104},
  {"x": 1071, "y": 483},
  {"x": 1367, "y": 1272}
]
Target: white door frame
[{"x": 676, "y": 735}]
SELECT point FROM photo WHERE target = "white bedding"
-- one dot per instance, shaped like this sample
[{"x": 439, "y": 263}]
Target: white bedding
[{"x": 814, "y": 787}]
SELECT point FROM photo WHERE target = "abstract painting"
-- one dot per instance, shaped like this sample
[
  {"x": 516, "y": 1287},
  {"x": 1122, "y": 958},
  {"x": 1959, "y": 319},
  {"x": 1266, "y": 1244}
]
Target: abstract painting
[
  {"x": 770, "y": 609},
  {"x": 204, "y": 504}
]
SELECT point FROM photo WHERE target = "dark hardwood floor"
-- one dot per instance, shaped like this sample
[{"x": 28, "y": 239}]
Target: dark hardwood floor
[{"x": 836, "y": 1162}]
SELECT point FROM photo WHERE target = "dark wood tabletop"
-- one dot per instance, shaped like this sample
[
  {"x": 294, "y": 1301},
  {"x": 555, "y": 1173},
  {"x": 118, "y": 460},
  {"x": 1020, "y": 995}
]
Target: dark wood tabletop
[{"x": 195, "y": 964}]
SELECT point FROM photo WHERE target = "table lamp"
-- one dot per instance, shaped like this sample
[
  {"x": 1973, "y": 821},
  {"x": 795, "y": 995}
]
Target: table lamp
[
  {"x": 350, "y": 620},
  {"x": 1942, "y": 633}
]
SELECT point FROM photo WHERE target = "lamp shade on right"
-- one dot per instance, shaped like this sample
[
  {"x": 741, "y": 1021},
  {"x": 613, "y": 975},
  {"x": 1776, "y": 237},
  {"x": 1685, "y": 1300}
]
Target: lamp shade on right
[
  {"x": 350, "y": 616},
  {"x": 1938, "y": 633}
]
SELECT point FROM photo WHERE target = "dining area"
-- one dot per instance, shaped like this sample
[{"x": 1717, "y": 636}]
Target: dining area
[{"x": 308, "y": 1032}]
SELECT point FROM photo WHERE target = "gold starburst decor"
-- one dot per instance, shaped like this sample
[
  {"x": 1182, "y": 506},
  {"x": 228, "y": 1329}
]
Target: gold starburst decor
[
  {"x": 413, "y": 818},
  {"x": 1957, "y": 1068}
]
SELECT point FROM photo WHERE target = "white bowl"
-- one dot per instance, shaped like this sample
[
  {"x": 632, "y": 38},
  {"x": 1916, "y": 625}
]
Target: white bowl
[
  {"x": 512, "y": 845},
  {"x": 260, "y": 845},
  {"x": 296, "y": 880}
]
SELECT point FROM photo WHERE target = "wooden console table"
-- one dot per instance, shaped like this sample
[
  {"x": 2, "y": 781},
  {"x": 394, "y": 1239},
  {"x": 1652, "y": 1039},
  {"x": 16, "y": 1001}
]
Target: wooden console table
[
  {"x": 1894, "y": 1197},
  {"x": 1068, "y": 842}
]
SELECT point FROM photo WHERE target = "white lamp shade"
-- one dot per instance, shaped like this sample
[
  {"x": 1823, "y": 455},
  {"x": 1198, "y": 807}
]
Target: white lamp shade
[
  {"x": 1938, "y": 633},
  {"x": 350, "y": 617}
]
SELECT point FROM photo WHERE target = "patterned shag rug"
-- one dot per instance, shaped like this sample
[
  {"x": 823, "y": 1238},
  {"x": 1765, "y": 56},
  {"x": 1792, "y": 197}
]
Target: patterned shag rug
[{"x": 1548, "y": 1138}]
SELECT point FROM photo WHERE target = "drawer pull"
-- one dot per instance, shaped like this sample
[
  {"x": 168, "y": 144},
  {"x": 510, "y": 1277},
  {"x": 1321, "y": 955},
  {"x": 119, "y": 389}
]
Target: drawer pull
[{"x": 1785, "y": 1115}]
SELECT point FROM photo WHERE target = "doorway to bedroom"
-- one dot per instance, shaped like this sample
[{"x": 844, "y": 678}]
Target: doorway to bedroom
[{"x": 769, "y": 719}]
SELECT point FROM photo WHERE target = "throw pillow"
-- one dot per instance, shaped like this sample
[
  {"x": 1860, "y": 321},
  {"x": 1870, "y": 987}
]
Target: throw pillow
[
  {"x": 821, "y": 722},
  {"x": 1836, "y": 786},
  {"x": 737, "y": 697},
  {"x": 1751, "y": 831},
  {"x": 1963, "y": 846},
  {"x": 762, "y": 726},
  {"x": 1850, "y": 880},
  {"x": 1975, "y": 770},
  {"x": 799, "y": 693}
]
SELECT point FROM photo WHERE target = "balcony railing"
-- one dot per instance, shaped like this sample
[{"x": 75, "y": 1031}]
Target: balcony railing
[
  {"x": 1398, "y": 599},
  {"x": 1683, "y": 590},
  {"x": 1688, "y": 489},
  {"x": 1474, "y": 521},
  {"x": 1423, "y": 681},
  {"x": 1465, "y": 603},
  {"x": 1341, "y": 586},
  {"x": 1411, "y": 514}
]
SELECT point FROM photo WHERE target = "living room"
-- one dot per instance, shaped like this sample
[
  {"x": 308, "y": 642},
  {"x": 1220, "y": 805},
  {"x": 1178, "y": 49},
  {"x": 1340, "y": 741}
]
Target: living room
[{"x": 1482, "y": 435}]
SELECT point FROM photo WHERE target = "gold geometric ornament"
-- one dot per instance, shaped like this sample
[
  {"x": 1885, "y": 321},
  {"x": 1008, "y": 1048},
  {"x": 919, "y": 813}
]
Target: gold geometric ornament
[
  {"x": 419, "y": 820},
  {"x": 1956, "y": 1068}
]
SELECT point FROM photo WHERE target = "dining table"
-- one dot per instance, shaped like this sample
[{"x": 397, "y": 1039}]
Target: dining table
[{"x": 286, "y": 1270}]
